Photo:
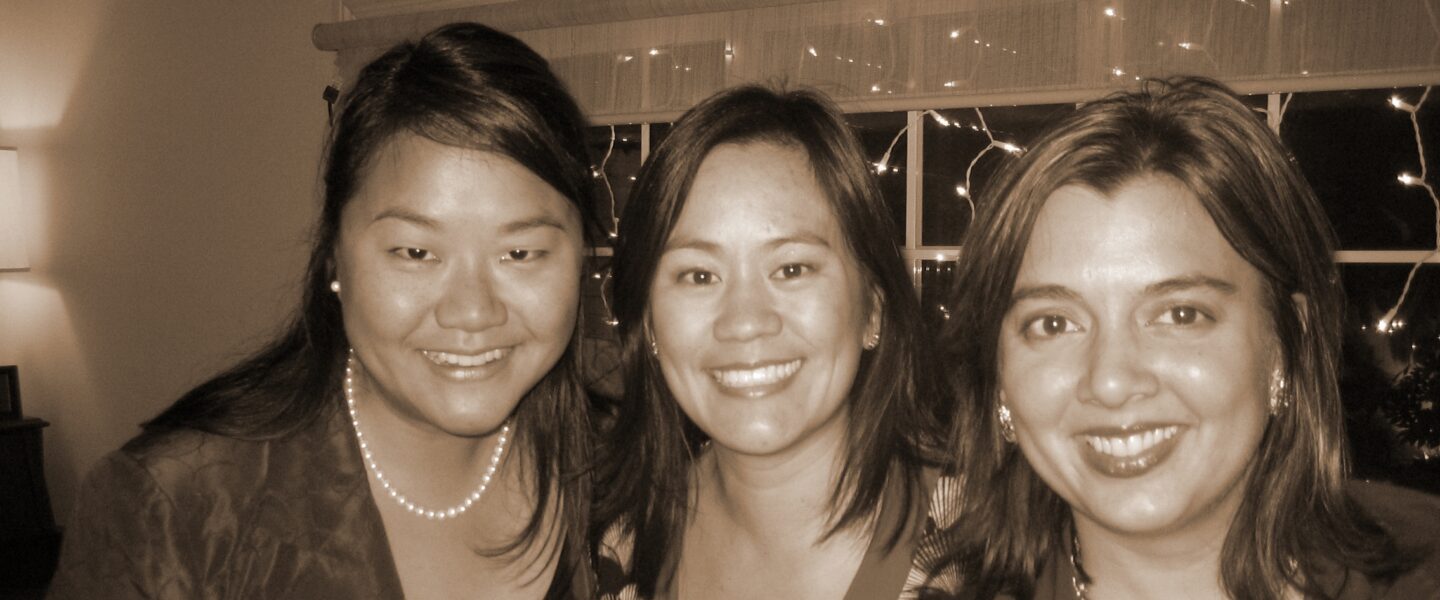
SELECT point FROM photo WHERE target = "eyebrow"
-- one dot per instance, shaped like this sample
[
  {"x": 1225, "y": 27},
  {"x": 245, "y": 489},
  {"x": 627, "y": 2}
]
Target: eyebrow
[
  {"x": 804, "y": 237},
  {"x": 1189, "y": 282},
  {"x": 532, "y": 223},
  {"x": 410, "y": 216},
  {"x": 1044, "y": 292},
  {"x": 1174, "y": 284}
]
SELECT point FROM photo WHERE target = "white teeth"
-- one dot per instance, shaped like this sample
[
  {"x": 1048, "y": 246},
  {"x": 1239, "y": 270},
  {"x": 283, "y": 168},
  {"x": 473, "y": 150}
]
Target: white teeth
[
  {"x": 739, "y": 378},
  {"x": 1133, "y": 444},
  {"x": 446, "y": 359}
]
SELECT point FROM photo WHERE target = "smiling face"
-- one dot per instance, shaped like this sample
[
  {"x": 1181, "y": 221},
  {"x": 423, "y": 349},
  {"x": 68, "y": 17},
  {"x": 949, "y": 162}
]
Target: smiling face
[
  {"x": 459, "y": 274},
  {"x": 1136, "y": 359},
  {"x": 758, "y": 310}
]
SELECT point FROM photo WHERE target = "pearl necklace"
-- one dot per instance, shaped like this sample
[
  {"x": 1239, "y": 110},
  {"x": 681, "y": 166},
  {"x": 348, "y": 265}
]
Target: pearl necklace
[{"x": 390, "y": 490}]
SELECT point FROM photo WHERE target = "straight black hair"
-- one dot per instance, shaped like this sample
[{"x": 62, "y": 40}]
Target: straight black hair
[{"x": 645, "y": 482}]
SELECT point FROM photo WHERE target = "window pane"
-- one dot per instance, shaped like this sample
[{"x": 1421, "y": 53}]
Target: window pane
[
  {"x": 1391, "y": 380},
  {"x": 877, "y": 131},
  {"x": 601, "y": 350},
  {"x": 937, "y": 280},
  {"x": 952, "y": 140},
  {"x": 1352, "y": 146},
  {"x": 658, "y": 133},
  {"x": 617, "y": 148}
]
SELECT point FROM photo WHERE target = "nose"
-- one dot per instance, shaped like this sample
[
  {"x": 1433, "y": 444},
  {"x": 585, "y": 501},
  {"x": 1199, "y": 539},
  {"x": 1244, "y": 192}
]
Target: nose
[
  {"x": 1116, "y": 372},
  {"x": 468, "y": 301},
  {"x": 747, "y": 311}
]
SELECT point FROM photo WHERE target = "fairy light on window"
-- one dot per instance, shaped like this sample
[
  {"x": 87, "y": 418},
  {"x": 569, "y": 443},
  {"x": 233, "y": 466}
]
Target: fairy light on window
[
  {"x": 1388, "y": 322},
  {"x": 599, "y": 173},
  {"x": 882, "y": 166}
]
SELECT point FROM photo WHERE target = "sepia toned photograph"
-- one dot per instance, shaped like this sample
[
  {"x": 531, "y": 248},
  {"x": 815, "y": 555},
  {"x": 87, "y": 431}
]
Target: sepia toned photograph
[{"x": 720, "y": 299}]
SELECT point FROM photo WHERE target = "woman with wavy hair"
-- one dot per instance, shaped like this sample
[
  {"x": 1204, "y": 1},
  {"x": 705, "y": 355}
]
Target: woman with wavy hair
[
  {"x": 419, "y": 429},
  {"x": 771, "y": 441},
  {"x": 1147, "y": 365}
]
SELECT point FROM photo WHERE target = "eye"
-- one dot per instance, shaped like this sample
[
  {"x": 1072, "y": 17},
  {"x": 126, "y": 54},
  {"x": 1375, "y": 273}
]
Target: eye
[
  {"x": 1182, "y": 315},
  {"x": 1049, "y": 326},
  {"x": 698, "y": 277},
  {"x": 793, "y": 271},
  {"x": 524, "y": 255},
  {"x": 418, "y": 254}
]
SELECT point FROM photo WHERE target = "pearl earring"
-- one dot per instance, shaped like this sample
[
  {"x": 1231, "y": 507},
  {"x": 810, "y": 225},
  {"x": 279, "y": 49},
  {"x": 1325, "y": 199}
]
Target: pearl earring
[
  {"x": 335, "y": 286},
  {"x": 873, "y": 341}
]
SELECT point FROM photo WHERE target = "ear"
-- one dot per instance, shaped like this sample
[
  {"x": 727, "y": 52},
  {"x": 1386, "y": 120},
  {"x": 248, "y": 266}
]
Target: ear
[{"x": 877, "y": 314}]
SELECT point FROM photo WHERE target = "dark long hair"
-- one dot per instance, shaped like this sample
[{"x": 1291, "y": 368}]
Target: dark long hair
[
  {"x": 1200, "y": 134},
  {"x": 651, "y": 447},
  {"x": 462, "y": 85}
]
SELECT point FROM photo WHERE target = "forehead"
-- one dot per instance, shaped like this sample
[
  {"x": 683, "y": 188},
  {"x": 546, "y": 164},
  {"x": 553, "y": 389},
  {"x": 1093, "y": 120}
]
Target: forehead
[
  {"x": 414, "y": 174},
  {"x": 755, "y": 190},
  {"x": 1149, "y": 229}
]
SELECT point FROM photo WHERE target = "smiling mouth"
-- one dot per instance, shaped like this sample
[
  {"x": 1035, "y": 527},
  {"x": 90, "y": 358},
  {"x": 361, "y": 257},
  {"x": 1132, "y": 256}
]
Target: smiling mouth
[
  {"x": 758, "y": 378},
  {"x": 1128, "y": 453},
  {"x": 1133, "y": 444},
  {"x": 465, "y": 361}
]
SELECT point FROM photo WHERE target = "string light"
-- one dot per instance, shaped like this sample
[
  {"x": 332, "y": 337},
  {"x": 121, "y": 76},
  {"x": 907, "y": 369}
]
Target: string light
[
  {"x": 599, "y": 173},
  {"x": 1388, "y": 322},
  {"x": 882, "y": 166}
]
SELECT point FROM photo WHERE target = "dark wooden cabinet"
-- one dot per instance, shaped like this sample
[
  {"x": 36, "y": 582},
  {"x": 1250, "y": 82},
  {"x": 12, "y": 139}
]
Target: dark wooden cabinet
[{"x": 29, "y": 540}]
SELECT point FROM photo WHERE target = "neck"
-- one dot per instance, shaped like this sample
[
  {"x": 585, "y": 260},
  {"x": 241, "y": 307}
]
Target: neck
[
  {"x": 1179, "y": 563},
  {"x": 430, "y": 466},
  {"x": 774, "y": 496}
]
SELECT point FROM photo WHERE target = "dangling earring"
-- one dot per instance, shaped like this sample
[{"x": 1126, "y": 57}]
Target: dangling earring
[
  {"x": 335, "y": 286},
  {"x": 1279, "y": 401},
  {"x": 1007, "y": 425}
]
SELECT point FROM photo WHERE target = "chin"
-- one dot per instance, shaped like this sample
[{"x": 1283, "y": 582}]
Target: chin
[{"x": 753, "y": 440}]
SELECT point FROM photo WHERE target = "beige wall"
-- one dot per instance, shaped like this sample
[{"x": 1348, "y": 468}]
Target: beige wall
[{"x": 168, "y": 154}]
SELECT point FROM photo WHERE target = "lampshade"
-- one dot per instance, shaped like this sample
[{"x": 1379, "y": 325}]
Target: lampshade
[{"x": 12, "y": 240}]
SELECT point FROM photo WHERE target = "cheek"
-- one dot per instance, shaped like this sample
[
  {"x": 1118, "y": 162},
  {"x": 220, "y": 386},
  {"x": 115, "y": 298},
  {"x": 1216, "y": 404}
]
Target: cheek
[
  {"x": 832, "y": 315},
  {"x": 548, "y": 302},
  {"x": 1220, "y": 385},
  {"x": 1037, "y": 385},
  {"x": 386, "y": 306},
  {"x": 679, "y": 323}
]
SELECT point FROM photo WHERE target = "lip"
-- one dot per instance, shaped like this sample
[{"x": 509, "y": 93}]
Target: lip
[
  {"x": 755, "y": 379},
  {"x": 1129, "y": 451},
  {"x": 467, "y": 365}
]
